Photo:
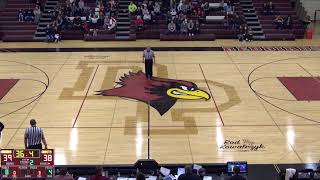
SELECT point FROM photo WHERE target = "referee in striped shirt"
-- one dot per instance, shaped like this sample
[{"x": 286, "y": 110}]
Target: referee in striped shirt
[{"x": 33, "y": 137}]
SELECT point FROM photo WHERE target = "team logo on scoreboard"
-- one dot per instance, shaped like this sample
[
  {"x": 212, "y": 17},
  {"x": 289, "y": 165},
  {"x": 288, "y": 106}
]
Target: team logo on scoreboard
[{"x": 160, "y": 93}]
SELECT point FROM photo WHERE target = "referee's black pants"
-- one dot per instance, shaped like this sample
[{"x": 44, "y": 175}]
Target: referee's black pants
[
  {"x": 148, "y": 67},
  {"x": 37, "y": 146}
]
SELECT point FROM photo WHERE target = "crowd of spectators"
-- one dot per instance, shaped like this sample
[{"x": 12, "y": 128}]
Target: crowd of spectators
[
  {"x": 145, "y": 12},
  {"x": 189, "y": 174},
  {"x": 75, "y": 15},
  {"x": 281, "y": 23},
  {"x": 30, "y": 15},
  {"x": 186, "y": 16}
]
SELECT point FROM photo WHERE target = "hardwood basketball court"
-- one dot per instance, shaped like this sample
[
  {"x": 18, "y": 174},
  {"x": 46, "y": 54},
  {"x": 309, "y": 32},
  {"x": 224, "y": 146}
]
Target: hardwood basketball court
[{"x": 253, "y": 113}]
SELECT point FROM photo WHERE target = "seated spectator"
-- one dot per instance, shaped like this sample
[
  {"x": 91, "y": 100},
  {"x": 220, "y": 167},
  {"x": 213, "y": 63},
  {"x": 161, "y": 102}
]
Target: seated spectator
[
  {"x": 184, "y": 8},
  {"x": 157, "y": 8},
  {"x": 190, "y": 8},
  {"x": 206, "y": 8},
  {"x": 38, "y": 3},
  {"x": 279, "y": 22},
  {"x": 265, "y": 8},
  {"x": 197, "y": 27},
  {"x": 77, "y": 23},
  {"x": 93, "y": 32},
  {"x": 179, "y": 6},
  {"x": 94, "y": 22},
  {"x": 63, "y": 175},
  {"x": 139, "y": 12},
  {"x": 29, "y": 16},
  {"x": 242, "y": 31},
  {"x": 236, "y": 175},
  {"x": 139, "y": 23},
  {"x": 101, "y": 9},
  {"x": 154, "y": 18},
  {"x": 81, "y": 4},
  {"x": 113, "y": 8},
  {"x": 60, "y": 22},
  {"x": 106, "y": 22},
  {"x": 172, "y": 28},
  {"x": 140, "y": 176},
  {"x": 237, "y": 20},
  {"x": 67, "y": 22},
  {"x": 98, "y": 174},
  {"x": 248, "y": 34},
  {"x": 184, "y": 27},
  {"x": 132, "y": 7},
  {"x": 86, "y": 27},
  {"x": 50, "y": 33},
  {"x": 229, "y": 10},
  {"x": 112, "y": 24},
  {"x": 226, "y": 22},
  {"x": 189, "y": 175},
  {"x": 56, "y": 35},
  {"x": 202, "y": 172},
  {"x": 270, "y": 8},
  {"x": 181, "y": 17},
  {"x": 190, "y": 28},
  {"x": 37, "y": 14},
  {"x": 221, "y": 6},
  {"x": 146, "y": 15},
  {"x": 232, "y": 4},
  {"x": 20, "y": 16},
  {"x": 288, "y": 22},
  {"x": 173, "y": 12}
]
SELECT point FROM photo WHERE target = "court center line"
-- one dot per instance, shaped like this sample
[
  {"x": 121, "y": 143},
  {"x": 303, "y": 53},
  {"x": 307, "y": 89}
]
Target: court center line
[
  {"x": 110, "y": 128},
  {"x": 214, "y": 101},
  {"x": 85, "y": 97}
]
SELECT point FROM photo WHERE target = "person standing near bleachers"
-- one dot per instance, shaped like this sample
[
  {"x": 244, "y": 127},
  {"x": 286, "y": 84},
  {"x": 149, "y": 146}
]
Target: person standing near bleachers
[{"x": 33, "y": 137}]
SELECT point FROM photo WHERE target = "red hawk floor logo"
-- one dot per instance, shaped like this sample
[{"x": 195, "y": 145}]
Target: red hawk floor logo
[{"x": 160, "y": 93}]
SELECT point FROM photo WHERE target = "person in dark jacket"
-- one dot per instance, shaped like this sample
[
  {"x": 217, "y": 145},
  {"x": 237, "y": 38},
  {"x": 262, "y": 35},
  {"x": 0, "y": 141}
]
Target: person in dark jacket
[
  {"x": 189, "y": 175},
  {"x": 236, "y": 175}
]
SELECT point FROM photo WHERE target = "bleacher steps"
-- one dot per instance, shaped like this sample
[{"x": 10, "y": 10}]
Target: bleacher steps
[
  {"x": 123, "y": 21},
  {"x": 252, "y": 19},
  {"x": 46, "y": 18}
]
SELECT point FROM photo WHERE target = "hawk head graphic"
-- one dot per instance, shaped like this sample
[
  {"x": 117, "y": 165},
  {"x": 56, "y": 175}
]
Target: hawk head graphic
[{"x": 160, "y": 93}]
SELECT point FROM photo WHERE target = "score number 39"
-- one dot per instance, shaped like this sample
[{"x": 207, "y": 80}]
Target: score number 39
[{"x": 7, "y": 157}]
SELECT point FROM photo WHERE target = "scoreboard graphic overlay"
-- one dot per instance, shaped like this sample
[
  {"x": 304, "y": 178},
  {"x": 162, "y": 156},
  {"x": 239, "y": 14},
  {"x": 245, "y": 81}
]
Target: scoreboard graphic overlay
[{"x": 26, "y": 163}]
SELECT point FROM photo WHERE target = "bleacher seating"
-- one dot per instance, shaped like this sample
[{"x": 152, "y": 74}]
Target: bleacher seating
[
  {"x": 10, "y": 28},
  {"x": 282, "y": 8}
]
